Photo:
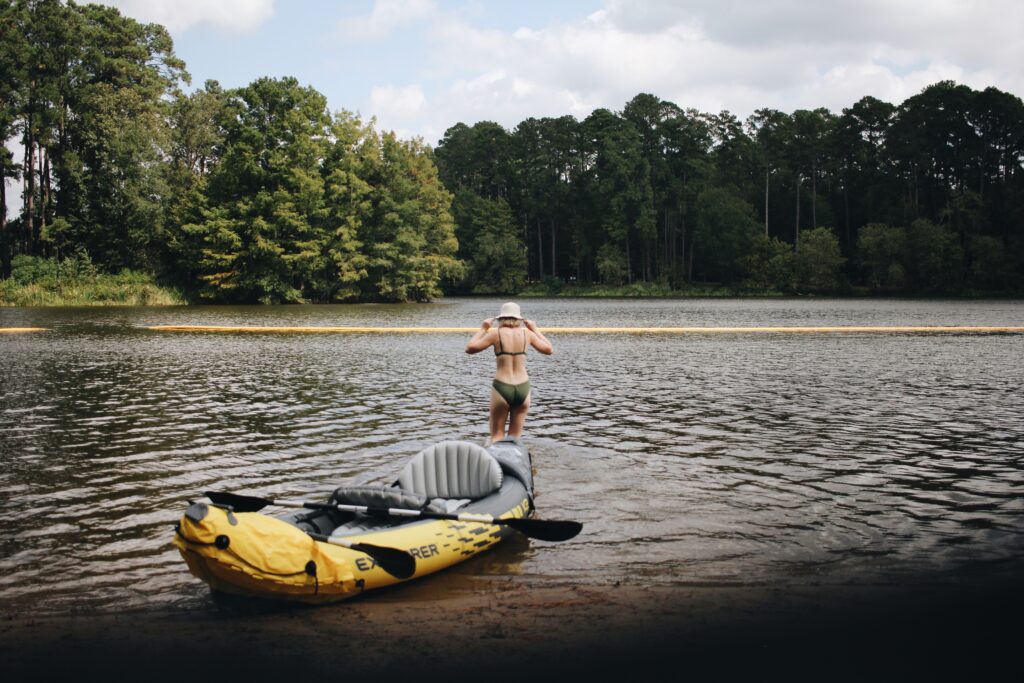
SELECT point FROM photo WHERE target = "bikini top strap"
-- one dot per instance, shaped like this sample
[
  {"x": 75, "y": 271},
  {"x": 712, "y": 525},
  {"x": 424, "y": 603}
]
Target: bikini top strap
[{"x": 501, "y": 352}]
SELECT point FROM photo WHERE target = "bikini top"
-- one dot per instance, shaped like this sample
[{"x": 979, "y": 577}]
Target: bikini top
[{"x": 500, "y": 352}]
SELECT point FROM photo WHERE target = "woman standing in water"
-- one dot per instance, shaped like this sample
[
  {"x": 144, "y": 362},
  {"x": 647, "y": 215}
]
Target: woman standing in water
[{"x": 510, "y": 392}]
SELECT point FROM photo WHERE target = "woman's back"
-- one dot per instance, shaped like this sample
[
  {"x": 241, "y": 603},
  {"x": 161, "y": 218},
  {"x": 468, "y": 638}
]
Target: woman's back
[{"x": 510, "y": 354}]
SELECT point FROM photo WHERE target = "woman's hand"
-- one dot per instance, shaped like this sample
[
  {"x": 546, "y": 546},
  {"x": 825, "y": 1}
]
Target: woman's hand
[
  {"x": 478, "y": 342},
  {"x": 537, "y": 339}
]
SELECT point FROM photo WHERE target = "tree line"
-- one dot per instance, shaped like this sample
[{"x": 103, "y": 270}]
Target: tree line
[
  {"x": 254, "y": 194},
  {"x": 261, "y": 194},
  {"x": 922, "y": 197}
]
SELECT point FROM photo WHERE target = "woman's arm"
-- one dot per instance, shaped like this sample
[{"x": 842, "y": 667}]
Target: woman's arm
[
  {"x": 538, "y": 340},
  {"x": 484, "y": 338}
]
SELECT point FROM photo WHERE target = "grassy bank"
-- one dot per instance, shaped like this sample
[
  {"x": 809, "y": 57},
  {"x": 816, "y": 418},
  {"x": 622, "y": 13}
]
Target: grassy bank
[
  {"x": 75, "y": 282},
  {"x": 653, "y": 290},
  {"x": 638, "y": 289}
]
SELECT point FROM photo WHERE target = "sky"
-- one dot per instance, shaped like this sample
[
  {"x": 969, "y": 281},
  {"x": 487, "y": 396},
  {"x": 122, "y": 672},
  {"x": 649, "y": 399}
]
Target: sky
[{"x": 420, "y": 66}]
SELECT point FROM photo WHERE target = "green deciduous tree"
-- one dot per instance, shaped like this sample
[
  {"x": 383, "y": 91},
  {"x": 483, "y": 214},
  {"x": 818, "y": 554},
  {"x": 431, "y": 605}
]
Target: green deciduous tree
[
  {"x": 410, "y": 241},
  {"x": 263, "y": 224},
  {"x": 933, "y": 257},
  {"x": 726, "y": 227},
  {"x": 769, "y": 265},
  {"x": 869, "y": 189},
  {"x": 91, "y": 98},
  {"x": 617, "y": 186},
  {"x": 819, "y": 261},
  {"x": 882, "y": 250},
  {"x": 496, "y": 254},
  {"x": 991, "y": 265}
]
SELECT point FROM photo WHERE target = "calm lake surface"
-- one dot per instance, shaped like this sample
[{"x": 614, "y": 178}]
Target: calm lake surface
[{"x": 691, "y": 460}]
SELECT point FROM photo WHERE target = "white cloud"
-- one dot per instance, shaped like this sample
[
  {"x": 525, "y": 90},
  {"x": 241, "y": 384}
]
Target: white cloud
[
  {"x": 386, "y": 16},
  {"x": 397, "y": 104},
  {"x": 713, "y": 55},
  {"x": 238, "y": 16},
  {"x": 456, "y": 61}
]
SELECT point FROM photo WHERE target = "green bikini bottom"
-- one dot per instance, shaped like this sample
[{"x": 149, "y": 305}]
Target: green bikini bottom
[{"x": 514, "y": 394}]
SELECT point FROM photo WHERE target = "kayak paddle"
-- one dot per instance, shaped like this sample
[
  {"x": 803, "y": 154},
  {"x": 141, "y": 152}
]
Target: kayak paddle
[
  {"x": 398, "y": 563},
  {"x": 543, "y": 529}
]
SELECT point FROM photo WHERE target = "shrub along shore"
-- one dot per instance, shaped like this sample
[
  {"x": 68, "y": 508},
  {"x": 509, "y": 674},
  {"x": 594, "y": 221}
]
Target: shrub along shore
[
  {"x": 74, "y": 281},
  {"x": 552, "y": 288}
]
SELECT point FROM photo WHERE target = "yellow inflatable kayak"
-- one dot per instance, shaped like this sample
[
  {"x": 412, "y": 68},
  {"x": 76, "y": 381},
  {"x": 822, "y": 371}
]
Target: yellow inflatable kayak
[{"x": 453, "y": 500}]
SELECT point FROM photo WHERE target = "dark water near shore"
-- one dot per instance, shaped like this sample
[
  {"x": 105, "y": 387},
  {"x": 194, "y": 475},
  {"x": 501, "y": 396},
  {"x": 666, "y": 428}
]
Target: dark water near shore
[{"x": 725, "y": 459}]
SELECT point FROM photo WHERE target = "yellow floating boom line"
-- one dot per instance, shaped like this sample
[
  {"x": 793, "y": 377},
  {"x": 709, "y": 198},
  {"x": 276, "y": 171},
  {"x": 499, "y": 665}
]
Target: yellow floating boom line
[
  {"x": 14, "y": 330},
  {"x": 863, "y": 329}
]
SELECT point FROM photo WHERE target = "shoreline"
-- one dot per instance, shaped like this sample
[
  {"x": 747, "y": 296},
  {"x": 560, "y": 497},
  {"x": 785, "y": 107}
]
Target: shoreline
[
  {"x": 505, "y": 628},
  {"x": 158, "y": 302}
]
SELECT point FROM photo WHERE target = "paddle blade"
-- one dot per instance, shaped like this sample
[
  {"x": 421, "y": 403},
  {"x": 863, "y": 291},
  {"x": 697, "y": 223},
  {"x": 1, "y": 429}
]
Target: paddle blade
[
  {"x": 545, "y": 529},
  {"x": 398, "y": 563},
  {"x": 239, "y": 503}
]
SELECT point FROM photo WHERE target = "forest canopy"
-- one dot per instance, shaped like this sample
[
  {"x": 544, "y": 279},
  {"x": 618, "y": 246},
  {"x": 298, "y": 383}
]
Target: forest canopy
[
  {"x": 262, "y": 194},
  {"x": 922, "y": 197},
  {"x": 255, "y": 194}
]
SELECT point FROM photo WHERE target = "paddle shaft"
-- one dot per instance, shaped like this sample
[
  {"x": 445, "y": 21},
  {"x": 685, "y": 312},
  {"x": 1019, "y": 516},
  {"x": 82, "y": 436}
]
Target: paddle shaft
[
  {"x": 543, "y": 529},
  {"x": 344, "y": 543},
  {"x": 394, "y": 512}
]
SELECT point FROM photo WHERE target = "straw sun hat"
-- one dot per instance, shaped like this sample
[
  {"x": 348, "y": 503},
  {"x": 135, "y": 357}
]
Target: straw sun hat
[{"x": 510, "y": 310}]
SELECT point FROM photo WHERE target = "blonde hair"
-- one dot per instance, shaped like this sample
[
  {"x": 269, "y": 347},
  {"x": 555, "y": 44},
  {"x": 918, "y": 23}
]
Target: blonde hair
[{"x": 509, "y": 322}]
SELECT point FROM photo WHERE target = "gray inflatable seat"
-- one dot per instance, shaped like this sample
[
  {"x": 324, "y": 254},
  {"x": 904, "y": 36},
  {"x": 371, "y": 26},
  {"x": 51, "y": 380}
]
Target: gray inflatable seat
[
  {"x": 452, "y": 469},
  {"x": 378, "y": 497}
]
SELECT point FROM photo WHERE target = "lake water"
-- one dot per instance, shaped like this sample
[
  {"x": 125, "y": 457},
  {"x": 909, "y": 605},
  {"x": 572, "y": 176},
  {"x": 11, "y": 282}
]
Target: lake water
[{"x": 691, "y": 460}]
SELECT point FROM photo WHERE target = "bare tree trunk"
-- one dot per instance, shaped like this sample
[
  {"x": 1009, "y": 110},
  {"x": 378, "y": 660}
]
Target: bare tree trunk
[
  {"x": 908, "y": 204},
  {"x": 540, "y": 252},
  {"x": 796, "y": 232},
  {"x": 30, "y": 196},
  {"x": 62, "y": 145},
  {"x": 629, "y": 263},
  {"x": 846, "y": 210},
  {"x": 814, "y": 196},
  {"x": 682, "y": 243},
  {"x": 30, "y": 188},
  {"x": 766, "y": 201},
  {"x": 5, "y": 253},
  {"x": 917, "y": 195},
  {"x": 554, "y": 268},
  {"x": 665, "y": 253},
  {"x": 670, "y": 253},
  {"x": 526, "y": 243},
  {"x": 44, "y": 189},
  {"x": 689, "y": 264}
]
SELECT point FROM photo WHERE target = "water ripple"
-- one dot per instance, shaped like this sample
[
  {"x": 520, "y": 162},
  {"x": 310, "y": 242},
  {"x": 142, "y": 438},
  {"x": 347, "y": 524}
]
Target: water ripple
[{"x": 689, "y": 459}]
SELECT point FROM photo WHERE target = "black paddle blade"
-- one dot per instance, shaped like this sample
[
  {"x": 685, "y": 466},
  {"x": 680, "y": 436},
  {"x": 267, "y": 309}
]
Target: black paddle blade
[
  {"x": 239, "y": 503},
  {"x": 544, "y": 529},
  {"x": 398, "y": 563}
]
